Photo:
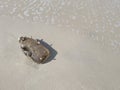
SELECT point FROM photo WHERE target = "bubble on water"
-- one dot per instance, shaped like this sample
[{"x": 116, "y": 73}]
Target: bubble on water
[
  {"x": 20, "y": 16},
  {"x": 13, "y": 11},
  {"x": 26, "y": 13}
]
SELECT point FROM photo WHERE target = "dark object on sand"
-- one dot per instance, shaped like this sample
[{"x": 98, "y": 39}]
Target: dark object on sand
[{"x": 33, "y": 49}]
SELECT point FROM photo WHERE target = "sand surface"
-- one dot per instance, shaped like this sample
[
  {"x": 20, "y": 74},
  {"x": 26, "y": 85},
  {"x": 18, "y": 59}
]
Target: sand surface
[{"x": 86, "y": 42}]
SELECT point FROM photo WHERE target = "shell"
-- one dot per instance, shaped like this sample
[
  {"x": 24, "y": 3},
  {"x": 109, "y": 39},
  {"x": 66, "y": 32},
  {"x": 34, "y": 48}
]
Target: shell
[{"x": 34, "y": 49}]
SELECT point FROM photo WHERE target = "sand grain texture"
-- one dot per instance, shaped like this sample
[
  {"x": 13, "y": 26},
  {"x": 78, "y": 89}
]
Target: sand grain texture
[{"x": 86, "y": 39}]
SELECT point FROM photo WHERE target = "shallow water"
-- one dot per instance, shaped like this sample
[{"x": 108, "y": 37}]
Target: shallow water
[
  {"x": 99, "y": 20},
  {"x": 85, "y": 34}
]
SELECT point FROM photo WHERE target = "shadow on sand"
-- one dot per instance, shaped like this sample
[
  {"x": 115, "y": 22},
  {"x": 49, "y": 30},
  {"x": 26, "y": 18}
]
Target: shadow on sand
[{"x": 53, "y": 52}]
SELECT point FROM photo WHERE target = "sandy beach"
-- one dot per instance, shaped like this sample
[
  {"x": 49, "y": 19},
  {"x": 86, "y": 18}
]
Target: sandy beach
[{"x": 85, "y": 60}]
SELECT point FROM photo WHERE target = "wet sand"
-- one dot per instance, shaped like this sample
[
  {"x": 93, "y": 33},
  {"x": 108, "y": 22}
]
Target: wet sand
[
  {"x": 85, "y": 37},
  {"x": 80, "y": 63}
]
